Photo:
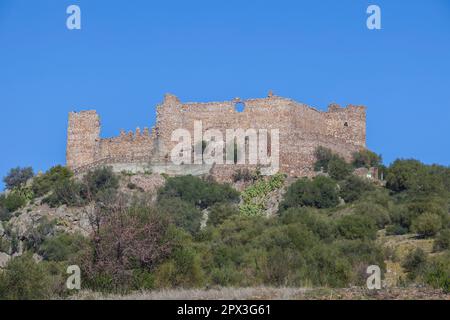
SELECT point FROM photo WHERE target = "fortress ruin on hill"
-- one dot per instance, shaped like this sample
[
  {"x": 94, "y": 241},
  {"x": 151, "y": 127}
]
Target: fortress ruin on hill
[{"x": 301, "y": 130}]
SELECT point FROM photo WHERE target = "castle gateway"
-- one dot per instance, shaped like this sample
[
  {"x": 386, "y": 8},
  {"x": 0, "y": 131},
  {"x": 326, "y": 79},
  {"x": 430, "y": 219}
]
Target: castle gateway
[{"x": 301, "y": 130}]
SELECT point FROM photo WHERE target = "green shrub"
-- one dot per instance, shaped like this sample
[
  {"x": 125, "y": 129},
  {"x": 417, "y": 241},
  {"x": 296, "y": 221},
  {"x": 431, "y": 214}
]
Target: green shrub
[
  {"x": 18, "y": 177},
  {"x": 415, "y": 263},
  {"x": 415, "y": 177},
  {"x": 437, "y": 273},
  {"x": 45, "y": 183},
  {"x": 14, "y": 201},
  {"x": 66, "y": 192},
  {"x": 183, "y": 214},
  {"x": 366, "y": 158},
  {"x": 24, "y": 279},
  {"x": 62, "y": 247},
  {"x": 5, "y": 215},
  {"x": 320, "y": 193},
  {"x": 442, "y": 241},
  {"x": 356, "y": 227},
  {"x": 396, "y": 229},
  {"x": 219, "y": 212},
  {"x": 427, "y": 224},
  {"x": 338, "y": 168},
  {"x": 100, "y": 180},
  {"x": 198, "y": 192},
  {"x": 323, "y": 156},
  {"x": 45, "y": 228},
  {"x": 353, "y": 187},
  {"x": 376, "y": 212},
  {"x": 320, "y": 225}
]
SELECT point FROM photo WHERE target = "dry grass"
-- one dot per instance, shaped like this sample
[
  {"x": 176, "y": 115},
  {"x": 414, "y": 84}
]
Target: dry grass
[{"x": 267, "y": 293}]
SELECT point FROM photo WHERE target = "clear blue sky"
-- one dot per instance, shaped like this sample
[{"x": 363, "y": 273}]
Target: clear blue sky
[{"x": 129, "y": 53}]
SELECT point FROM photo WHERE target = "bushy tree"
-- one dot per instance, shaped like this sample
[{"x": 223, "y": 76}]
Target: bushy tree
[
  {"x": 366, "y": 158},
  {"x": 24, "y": 279},
  {"x": 62, "y": 247},
  {"x": 183, "y": 214},
  {"x": 353, "y": 187},
  {"x": 219, "y": 212},
  {"x": 321, "y": 192},
  {"x": 338, "y": 168},
  {"x": 413, "y": 176},
  {"x": 323, "y": 156},
  {"x": 14, "y": 201},
  {"x": 356, "y": 227},
  {"x": 197, "y": 191},
  {"x": 427, "y": 224},
  {"x": 17, "y": 177},
  {"x": 415, "y": 263},
  {"x": 442, "y": 241},
  {"x": 45, "y": 183}
]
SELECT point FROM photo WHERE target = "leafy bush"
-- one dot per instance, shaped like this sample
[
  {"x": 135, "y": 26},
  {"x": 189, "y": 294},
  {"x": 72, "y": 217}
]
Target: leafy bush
[
  {"x": 366, "y": 158},
  {"x": 14, "y": 201},
  {"x": 5, "y": 215},
  {"x": 44, "y": 228},
  {"x": 98, "y": 181},
  {"x": 437, "y": 272},
  {"x": 427, "y": 224},
  {"x": 24, "y": 279},
  {"x": 338, "y": 168},
  {"x": 415, "y": 263},
  {"x": 442, "y": 241},
  {"x": 183, "y": 214},
  {"x": 330, "y": 162},
  {"x": 413, "y": 176},
  {"x": 18, "y": 177},
  {"x": 219, "y": 212},
  {"x": 353, "y": 187},
  {"x": 199, "y": 192},
  {"x": 356, "y": 227},
  {"x": 323, "y": 156},
  {"x": 45, "y": 183},
  {"x": 320, "y": 225},
  {"x": 62, "y": 247},
  {"x": 377, "y": 213},
  {"x": 66, "y": 192},
  {"x": 320, "y": 193},
  {"x": 396, "y": 229}
]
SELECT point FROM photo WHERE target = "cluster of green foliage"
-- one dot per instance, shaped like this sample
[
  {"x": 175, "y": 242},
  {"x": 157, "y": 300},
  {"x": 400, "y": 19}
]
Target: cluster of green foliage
[
  {"x": 321, "y": 192},
  {"x": 199, "y": 192},
  {"x": 331, "y": 163},
  {"x": 25, "y": 279},
  {"x": 254, "y": 197},
  {"x": 366, "y": 159},
  {"x": 95, "y": 185},
  {"x": 18, "y": 177},
  {"x": 434, "y": 271}
]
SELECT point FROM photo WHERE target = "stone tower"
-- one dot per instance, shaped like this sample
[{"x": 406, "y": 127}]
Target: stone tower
[{"x": 83, "y": 138}]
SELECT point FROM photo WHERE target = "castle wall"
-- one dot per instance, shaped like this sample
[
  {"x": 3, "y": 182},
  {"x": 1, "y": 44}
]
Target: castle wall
[{"x": 302, "y": 129}]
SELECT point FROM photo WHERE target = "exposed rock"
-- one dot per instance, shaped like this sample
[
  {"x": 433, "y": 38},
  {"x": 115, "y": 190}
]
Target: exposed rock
[{"x": 4, "y": 258}]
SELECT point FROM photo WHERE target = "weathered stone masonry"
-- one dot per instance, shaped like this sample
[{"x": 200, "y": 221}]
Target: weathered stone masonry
[{"x": 301, "y": 128}]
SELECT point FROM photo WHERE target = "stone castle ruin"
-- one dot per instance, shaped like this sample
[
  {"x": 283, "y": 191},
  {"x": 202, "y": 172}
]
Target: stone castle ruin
[{"x": 301, "y": 130}]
